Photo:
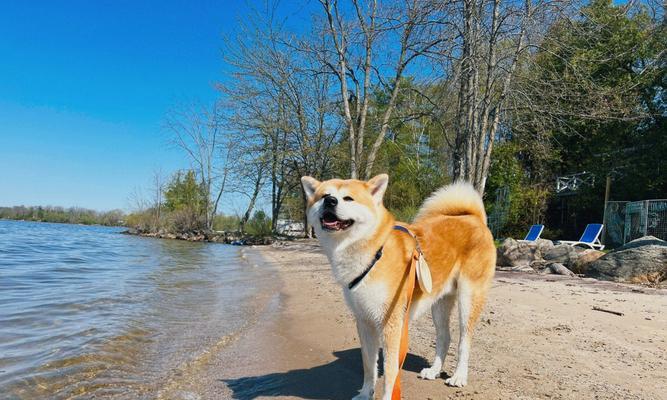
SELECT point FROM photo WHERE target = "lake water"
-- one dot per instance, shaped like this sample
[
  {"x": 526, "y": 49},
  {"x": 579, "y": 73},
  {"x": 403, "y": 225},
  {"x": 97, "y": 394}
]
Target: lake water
[{"x": 88, "y": 312}]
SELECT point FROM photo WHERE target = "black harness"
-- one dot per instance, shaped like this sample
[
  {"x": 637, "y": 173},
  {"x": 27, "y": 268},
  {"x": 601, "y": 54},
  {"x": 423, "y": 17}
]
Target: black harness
[{"x": 377, "y": 257}]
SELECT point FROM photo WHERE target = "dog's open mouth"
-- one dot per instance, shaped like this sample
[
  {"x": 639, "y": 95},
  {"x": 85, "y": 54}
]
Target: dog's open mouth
[{"x": 331, "y": 222}]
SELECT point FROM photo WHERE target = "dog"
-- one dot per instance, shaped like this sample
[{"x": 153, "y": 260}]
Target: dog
[{"x": 371, "y": 259}]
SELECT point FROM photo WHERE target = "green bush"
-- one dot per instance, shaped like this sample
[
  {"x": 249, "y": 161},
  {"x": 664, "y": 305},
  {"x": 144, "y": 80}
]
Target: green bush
[
  {"x": 227, "y": 223},
  {"x": 259, "y": 224},
  {"x": 527, "y": 198}
]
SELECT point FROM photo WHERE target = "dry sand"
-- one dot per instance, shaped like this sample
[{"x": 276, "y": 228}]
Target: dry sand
[{"x": 538, "y": 338}]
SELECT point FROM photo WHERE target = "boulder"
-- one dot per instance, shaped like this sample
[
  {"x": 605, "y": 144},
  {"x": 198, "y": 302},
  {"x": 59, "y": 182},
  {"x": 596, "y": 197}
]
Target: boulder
[
  {"x": 584, "y": 259},
  {"x": 543, "y": 247},
  {"x": 515, "y": 253},
  {"x": 563, "y": 254},
  {"x": 642, "y": 260},
  {"x": 642, "y": 241}
]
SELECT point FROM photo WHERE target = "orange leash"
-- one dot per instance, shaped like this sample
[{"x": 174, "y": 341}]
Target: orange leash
[{"x": 403, "y": 352}]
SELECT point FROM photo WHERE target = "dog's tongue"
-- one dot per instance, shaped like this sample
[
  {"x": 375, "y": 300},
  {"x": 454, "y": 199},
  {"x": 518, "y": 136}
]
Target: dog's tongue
[{"x": 335, "y": 224}]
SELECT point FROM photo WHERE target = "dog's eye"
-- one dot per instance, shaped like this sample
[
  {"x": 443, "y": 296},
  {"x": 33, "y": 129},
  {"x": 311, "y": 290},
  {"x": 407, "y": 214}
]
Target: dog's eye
[{"x": 348, "y": 198}]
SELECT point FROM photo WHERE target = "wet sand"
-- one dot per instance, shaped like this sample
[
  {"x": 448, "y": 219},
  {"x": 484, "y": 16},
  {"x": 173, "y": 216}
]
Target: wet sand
[{"x": 538, "y": 338}]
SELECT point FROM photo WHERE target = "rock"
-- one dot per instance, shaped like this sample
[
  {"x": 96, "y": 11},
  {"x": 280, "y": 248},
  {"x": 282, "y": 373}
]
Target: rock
[
  {"x": 560, "y": 269},
  {"x": 642, "y": 241},
  {"x": 563, "y": 254},
  {"x": 514, "y": 253},
  {"x": 543, "y": 246},
  {"x": 584, "y": 259},
  {"x": 642, "y": 260}
]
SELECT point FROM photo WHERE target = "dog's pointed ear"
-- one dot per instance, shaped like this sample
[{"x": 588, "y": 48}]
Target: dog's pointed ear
[
  {"x": 310, "y": 185},
  {"x": 377, "y": 186}
]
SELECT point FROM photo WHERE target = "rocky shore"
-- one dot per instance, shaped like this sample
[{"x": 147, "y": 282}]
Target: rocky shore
[
  {"x": 235, "y": 238},
  {"x": 641, "y": 261}
]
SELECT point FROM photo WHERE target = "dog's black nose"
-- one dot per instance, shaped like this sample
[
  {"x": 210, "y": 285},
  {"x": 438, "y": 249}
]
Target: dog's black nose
[{"x": 330, "y": 201}]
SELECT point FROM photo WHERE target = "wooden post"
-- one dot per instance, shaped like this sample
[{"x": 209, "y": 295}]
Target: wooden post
[{"x": 607, "y": 191}]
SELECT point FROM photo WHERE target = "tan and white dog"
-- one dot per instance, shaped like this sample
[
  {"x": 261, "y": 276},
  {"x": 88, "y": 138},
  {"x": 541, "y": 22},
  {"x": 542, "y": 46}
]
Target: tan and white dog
[{"x": 372, "y": 262}]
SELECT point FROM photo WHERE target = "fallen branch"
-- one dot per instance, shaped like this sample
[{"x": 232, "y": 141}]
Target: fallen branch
[{"x": 608, "y": 311}]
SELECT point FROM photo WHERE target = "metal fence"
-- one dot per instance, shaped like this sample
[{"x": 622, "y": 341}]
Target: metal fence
[
  {"x": 614, "y": 223},
  {"x": 626, "y": 221},
  {"x": 498, "y": 216}
]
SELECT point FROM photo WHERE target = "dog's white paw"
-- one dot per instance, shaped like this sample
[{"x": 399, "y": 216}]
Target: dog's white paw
[
  {"x": 430, "y": 373},
  {"x": 457, "y": 380}
]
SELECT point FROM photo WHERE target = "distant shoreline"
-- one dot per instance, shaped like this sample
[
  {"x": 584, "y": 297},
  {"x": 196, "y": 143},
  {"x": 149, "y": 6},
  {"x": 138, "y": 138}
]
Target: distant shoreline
[
  {"x": 63, "y": 223},
  {"x": 233, "y": 238}
]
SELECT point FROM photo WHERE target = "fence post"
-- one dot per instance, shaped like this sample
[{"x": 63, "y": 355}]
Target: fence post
[
  {"x": 628, "y": 221},
  {"x": 607, "y": 190},
  {"x": 646, "y": 204}
]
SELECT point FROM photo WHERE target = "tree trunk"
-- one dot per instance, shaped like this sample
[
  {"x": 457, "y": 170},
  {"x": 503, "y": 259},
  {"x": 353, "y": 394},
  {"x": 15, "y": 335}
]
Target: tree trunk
[{"x": 251, "y": 206}]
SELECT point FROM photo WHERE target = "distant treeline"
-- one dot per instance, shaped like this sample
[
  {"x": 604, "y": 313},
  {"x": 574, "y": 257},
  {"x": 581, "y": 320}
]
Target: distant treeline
[{"x": 72, "y": 215}]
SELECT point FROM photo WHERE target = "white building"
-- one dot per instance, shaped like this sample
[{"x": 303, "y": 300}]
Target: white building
[{"x": 289, "y": 227}]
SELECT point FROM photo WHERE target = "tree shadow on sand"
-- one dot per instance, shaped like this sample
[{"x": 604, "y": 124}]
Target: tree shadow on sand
[{"x": 337, "y": 380}]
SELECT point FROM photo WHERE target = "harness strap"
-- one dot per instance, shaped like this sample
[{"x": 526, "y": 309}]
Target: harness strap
[
  {"x": 358, "y": 279},
  {"x": 377, "y": 257},
  {"x": 403, "y": 349},
  {"x": 406, "y": 230}
]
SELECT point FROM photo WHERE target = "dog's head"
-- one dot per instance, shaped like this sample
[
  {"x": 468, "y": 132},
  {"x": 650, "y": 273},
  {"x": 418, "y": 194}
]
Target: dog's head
[{"x": 345, "y": 209}]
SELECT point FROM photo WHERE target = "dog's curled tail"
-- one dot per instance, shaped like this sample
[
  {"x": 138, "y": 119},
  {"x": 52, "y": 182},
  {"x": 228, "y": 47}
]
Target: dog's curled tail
[{"x": 459, "y": 198}]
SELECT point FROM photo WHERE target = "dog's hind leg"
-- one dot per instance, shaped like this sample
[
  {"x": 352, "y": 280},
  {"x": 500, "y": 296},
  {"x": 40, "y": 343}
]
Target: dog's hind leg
[
  {"x": 441, "y": 311},
  {"x": 471, "y": 301},
  {"x": 369, "y": 336}
]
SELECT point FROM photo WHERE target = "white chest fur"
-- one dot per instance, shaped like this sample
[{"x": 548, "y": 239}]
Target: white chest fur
[{"x": 368, "y": 299}]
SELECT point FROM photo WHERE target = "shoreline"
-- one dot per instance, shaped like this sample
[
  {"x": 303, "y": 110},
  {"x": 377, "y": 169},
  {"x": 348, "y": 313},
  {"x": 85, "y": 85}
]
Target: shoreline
[
  {"x": 538, "y": 337},
  {"x": 192, "y": 377},
  {"x": 232, "y": 238},
  {"x": 61, "y": 223}
]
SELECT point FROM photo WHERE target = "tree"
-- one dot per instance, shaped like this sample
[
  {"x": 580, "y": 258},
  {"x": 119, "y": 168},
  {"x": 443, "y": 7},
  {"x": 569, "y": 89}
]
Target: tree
[
  {"x": 414, "y": 149},
  {"x": 358, "y": 52},
  {"x": 281, "y": 110},
  {"x": 198, "y": 131},
  {"x": 592, "y": 99},
  {"x": 158, "y": 191},
  {"x": 186, "y": 198},
  {"x": 259, "y": 224}
]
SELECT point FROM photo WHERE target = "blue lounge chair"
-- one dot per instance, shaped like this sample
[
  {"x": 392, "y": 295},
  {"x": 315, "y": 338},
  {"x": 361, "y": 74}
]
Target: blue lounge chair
[
  {"x": 533, "y": 233},
  {"x": 590, "y": 238}
]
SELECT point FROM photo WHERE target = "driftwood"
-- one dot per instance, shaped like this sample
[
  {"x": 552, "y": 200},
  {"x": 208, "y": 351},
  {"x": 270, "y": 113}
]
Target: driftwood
[
  {"x": 560, "y": 269},
  {"x": 620, "y": 314}
]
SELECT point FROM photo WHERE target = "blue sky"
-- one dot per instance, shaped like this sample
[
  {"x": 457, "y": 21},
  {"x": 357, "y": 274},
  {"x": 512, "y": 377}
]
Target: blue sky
[{"x": 84, "y": 89}]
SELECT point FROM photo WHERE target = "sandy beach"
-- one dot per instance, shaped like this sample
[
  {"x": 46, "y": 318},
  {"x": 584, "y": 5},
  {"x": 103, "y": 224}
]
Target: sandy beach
[{"x": 538, "y": 338}]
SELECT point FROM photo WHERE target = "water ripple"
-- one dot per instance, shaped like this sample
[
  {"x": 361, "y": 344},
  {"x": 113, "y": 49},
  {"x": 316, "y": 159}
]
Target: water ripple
[{"x": 85, "y": 311}]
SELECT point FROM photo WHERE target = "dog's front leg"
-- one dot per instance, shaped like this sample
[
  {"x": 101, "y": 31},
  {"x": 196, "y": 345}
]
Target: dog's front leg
[
  {"x": 369, "y": 336},
  {"x": 391, "y": 352}
]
